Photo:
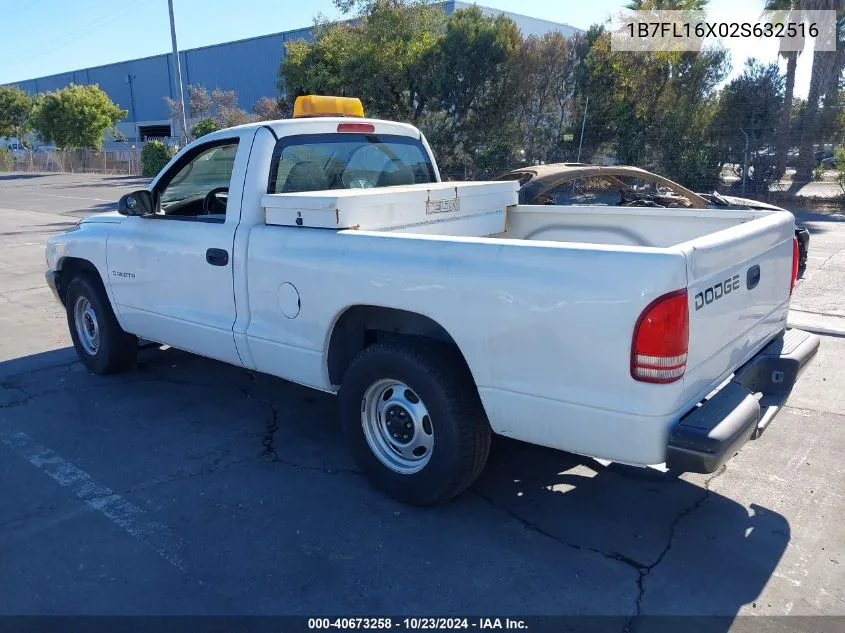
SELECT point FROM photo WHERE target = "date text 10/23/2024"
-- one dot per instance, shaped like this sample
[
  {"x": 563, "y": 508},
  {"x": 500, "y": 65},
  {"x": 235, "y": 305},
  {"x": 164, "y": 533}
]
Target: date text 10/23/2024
[{"x": 417, "y": 623}]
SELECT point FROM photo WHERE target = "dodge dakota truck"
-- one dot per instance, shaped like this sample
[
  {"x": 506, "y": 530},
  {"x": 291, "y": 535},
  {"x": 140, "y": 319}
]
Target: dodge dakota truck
[{"x": 325, "y": 250}]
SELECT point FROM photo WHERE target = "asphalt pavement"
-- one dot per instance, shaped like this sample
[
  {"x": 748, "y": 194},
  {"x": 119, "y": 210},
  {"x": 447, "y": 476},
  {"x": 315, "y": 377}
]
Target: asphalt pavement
[{"x": 188, "y": 486}]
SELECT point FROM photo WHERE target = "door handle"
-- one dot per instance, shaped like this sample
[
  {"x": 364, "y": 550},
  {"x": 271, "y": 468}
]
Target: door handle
[{"x": 217, "y": 256}]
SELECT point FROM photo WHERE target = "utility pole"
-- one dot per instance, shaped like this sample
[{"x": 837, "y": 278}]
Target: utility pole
[
  {"x": 583, "y": 123},
  {"x": 130, "y": 77},
  {"x": 183, "y": 138}
]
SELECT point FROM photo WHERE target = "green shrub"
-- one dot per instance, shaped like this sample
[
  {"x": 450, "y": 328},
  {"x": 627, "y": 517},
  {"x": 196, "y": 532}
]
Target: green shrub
[
  {"x": 154, "y": 156},
  {"x": 5, "y": 160},
  {"x": 839, "y": 164},
  {"x": 203, "y": 127}
]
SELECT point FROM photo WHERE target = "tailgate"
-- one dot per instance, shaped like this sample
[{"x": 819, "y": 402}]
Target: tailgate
[{"x": 739, "y": 282}]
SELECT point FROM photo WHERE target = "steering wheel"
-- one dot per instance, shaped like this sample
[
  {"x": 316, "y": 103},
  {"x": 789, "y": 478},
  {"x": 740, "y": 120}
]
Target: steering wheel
[{"x": 211, "y": 204}]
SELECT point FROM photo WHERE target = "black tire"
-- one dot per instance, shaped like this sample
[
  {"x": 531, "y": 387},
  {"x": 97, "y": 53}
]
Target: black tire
[
  {"x": 461, "y": 433},
  {"x": 803, "y": 237},
  {"x": 117, "y": 349}
]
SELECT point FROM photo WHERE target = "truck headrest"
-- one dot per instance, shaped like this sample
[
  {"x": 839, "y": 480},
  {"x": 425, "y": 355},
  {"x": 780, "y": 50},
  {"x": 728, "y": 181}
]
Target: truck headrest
[
  {"x": 401, "y": 175},
  {"x": 306, "y": 176}
]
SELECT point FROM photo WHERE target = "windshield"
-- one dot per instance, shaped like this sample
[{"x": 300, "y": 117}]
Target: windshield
[{"x": 316, "y": 162}]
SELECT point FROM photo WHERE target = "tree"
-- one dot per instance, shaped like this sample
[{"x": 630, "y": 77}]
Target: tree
[
  {"x": 826, "y": 69},
  {"x": 752, "y": 103},
  {"x": 220, "y": 106},
  {"x": 593, "y": 78},
  {"x": 378, "y": 58},
  {"x": 456, "y": 77},
  {"x": 200, "y": 100},
  {"x": 15, "y": 112},
  {"x": 75, "y": 117},
  {"x": 475, "y": 82},
  {"x": 203, "y": 127},
  {"x": 546, "y": 72},
  {"x": 782, "y": 142},
  {"x": 199, "y": 107},
  {"x": 655, "y": 108},
  {"x": 268, "y": 109},
  {"x": 154, "y": 156},
  {"x": 226, "y": 110},
  {"x": 487, "y": 98}
]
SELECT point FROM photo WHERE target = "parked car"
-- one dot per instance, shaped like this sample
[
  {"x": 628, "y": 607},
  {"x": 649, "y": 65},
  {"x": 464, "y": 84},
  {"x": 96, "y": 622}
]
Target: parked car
[
  {"x": 16, "y": 149},
  {"x": 325, "y": 250},
  {"x": 578, "y": 184}
]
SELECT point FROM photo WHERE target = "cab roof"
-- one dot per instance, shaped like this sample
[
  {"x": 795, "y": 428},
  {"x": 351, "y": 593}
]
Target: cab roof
[{"x": 318, "y": 125}]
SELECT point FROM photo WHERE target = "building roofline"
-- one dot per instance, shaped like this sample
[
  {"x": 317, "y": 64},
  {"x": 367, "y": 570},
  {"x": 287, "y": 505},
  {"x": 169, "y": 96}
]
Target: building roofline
[
  {"x": 167, "y": 54},
  {"x": 521, "y": 15}
]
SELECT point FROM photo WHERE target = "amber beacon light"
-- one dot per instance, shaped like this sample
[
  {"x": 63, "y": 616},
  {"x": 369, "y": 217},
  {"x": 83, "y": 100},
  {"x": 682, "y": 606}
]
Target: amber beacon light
[{"x": 318, "y": 105}]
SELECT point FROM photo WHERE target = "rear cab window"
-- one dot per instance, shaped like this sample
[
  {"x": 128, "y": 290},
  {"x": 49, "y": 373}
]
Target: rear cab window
[{"x": 317, "y": 162}]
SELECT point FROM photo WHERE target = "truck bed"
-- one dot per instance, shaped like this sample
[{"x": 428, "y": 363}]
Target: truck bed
[
  {"x": 542, "y": 301},
  {"x": 620, "y": 226},
  {"x": 490, "y": 209}
]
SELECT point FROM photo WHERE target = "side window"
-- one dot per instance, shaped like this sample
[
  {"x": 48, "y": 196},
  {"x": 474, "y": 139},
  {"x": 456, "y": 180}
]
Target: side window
[{"x": 198, "y": 188}]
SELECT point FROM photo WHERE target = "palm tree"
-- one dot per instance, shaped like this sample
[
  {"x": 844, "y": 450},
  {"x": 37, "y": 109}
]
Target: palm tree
[
  {"x": 826, "y": 66},
  {"x": 791, "y": 56}
]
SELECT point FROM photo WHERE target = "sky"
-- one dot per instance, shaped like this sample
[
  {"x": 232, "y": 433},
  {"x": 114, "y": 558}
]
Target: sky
[{"x": 44, "y": 37}]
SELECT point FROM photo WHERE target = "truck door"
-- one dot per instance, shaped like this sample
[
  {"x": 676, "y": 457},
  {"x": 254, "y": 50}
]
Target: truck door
[{"x": 171, "y": 271}]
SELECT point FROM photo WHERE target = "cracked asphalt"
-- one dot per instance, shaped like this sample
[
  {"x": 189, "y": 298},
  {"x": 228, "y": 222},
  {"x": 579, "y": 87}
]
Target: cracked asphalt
[{"x": 192, "y": 487}]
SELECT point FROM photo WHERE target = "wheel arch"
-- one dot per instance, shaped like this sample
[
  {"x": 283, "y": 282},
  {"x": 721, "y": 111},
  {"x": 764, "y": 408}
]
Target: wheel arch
[
  {"x": 359, "y": 326},
  {"x": 70, "y": 267}
]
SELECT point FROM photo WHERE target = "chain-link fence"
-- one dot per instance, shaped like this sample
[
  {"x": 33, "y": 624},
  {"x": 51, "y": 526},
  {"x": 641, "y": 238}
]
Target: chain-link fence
[{"x": 119, "y": 162}]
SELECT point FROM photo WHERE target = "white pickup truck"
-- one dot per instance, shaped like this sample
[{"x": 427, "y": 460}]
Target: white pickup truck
[{"x": 325, "y": 250}]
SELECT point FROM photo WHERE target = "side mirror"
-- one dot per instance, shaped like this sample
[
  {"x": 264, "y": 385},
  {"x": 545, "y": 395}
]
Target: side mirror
[{"x": 136, "y": 203}]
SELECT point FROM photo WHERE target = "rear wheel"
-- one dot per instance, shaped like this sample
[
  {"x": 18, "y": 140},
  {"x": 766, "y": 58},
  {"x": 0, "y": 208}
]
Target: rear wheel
[
  {"x": 100, "y": 342},
  {"x": 413, "y": 421}
]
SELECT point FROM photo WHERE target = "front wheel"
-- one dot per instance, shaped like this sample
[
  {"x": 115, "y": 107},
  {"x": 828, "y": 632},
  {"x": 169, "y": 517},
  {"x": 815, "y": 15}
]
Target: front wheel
[
  {"x": 413, "y": 421},
  {"x": 101, "y": 344}
]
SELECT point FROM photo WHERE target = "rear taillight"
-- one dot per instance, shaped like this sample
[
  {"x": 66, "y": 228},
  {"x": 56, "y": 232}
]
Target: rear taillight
[
  {"x": 795, "y": 257},
  {"x": 661, "y": 339}
]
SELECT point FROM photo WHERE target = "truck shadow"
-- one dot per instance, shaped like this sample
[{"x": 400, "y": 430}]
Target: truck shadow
[
  {"x": 819, "y": 221},
  {"x": 696, "y": 551},
  {"x": 578, "y": 536},
  {"x": 130, "y": 182},
  {"x": 20, "y": 176}
]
